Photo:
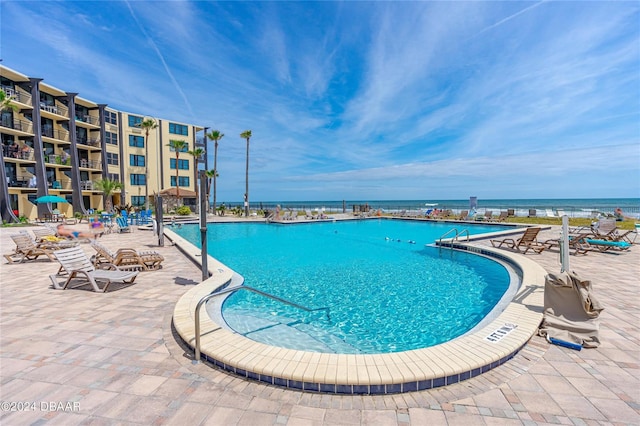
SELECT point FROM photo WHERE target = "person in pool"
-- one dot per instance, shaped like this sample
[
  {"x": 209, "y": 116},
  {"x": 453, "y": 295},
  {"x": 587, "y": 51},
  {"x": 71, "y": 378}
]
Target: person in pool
[{"x": 64, "y": 232}]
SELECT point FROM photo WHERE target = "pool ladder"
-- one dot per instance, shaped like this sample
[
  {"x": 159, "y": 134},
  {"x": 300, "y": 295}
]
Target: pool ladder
[
  {"x": 455, "y": 237},
  {"x": 233, "y": 290}
]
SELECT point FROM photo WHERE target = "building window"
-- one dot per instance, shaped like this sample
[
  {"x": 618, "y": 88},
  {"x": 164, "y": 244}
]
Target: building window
[
  {"x": 136, "y": 141},
  {"x": 112, "y": 158},
  {"x": 111, "y": 117},
  {"x": 111, "y": 138},
  {"x": 178, "y": 129},
  {"x": 137, "y": 179},
  {"x": 182, "y": 180},
  {"x": 135, "y": 120},
  {"x": 182, "y": 164},
  {"x": 137, "y": 200},
  {"x": 113, "y": 176},
  {"x": 136, "y": 160}
]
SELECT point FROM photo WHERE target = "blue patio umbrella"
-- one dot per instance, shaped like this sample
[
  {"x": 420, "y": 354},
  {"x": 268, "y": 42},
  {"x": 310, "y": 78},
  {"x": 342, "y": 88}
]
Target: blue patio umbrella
[{"x": 50, "y": 199}]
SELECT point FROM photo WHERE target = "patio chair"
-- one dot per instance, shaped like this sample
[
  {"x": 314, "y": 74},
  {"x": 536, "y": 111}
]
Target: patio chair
[
  {"x": 463, "y": 215},
  {"x": 123, "y": 224},
  {"x": 75, "y": 262},
  {"x": 486, "y": 217},
  {"x": 502, "y": 217},
  {"x": 526, "y": 242},
  {"x": 606, "y": 245},
  {"x": 607, "y": 229},
  {"x": 27, "y": 249},
  {"x": 577, "y": 243},
  {"x": 44, "y": 232},
  {"x": 127, "y": 258},
  {"x": 532, "y": 213}
]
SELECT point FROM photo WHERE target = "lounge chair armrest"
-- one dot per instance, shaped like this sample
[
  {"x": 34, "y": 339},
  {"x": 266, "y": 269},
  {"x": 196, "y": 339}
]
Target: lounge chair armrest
[
  {"x": 108, "y": 266},
  {"x": 126, "y": 251}
]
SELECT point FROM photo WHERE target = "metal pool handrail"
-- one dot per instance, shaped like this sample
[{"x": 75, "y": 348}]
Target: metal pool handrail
[
  {"x": 455, "y": 237},
  {"x": 234, "y": 289}
]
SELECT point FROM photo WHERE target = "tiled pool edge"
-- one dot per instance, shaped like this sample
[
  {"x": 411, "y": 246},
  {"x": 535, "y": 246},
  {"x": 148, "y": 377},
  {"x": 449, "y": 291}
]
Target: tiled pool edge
[{"x": 452, "y": 362}]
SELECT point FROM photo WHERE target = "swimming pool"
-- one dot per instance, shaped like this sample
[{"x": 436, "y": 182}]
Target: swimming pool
[{"x": 385, "y": 290}]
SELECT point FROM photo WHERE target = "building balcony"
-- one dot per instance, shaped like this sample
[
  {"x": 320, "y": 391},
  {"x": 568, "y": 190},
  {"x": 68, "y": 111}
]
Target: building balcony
[
  {"x": 18, "y": 125},
  {"x": 94, "y": 142},
  {"x": 57, "y": 159},
  {"x": 90, "y": 164},
  {"x": 89, "y": 119},
  {"x": 88, "y": 185},
  {"x": 61, "y": 135},
  {"x": 59, "y": 110},
  {"x": 21, "y": 181},
  {"x": 24, "y": 153},
  {"x": 17, "y": 95}
]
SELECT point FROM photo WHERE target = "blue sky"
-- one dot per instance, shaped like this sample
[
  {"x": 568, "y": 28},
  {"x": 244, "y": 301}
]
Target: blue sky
[{"x": 365, "y": 100}]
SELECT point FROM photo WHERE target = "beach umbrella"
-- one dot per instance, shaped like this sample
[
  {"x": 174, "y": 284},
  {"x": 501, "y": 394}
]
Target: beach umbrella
[{"x": 50, "y": 199}]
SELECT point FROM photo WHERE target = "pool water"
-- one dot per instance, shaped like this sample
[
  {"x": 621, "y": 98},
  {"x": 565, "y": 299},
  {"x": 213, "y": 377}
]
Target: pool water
[{"x": 384, "y": 289}]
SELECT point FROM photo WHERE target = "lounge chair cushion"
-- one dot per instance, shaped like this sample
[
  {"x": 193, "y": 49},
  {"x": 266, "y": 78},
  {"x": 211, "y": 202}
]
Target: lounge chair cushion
[{"x": 620, "y": 244}]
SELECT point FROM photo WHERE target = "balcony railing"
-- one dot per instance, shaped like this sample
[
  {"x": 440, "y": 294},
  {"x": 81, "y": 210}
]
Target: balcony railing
[
  {"x": 22, "y": 181},
  {"x": 89, "y": 141},
  {"x": 62, "y": 184},
  {"x": 16, "y": 124},
  {"x": 86, "y": 118},
  {"x": 23, "y": 98},
  {"x": 57, "y": 159},
  {"x": 89, "y": 164},
  {"x": 24, "y": 153},
  {"x": 86, "y": 185},
  {"x": 61, "y": 135},
  {"x": 55, "y": 109}
]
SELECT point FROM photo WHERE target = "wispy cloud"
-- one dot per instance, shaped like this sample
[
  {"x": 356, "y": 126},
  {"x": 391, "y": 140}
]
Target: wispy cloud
[
  {"x": 177, "y": 86},
  {"x": 388, "y": 98}
]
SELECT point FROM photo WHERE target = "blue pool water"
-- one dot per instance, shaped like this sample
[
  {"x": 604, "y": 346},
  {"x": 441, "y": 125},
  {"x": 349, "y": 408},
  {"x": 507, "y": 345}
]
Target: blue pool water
[{"x": 385, "y": 290}]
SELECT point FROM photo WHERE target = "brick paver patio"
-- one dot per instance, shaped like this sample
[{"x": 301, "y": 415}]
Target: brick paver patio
[{"x": 79, "y": 357}]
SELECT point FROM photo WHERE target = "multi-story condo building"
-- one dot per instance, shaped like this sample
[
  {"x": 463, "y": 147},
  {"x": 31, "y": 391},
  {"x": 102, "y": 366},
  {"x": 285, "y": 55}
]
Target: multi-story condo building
[{"x": 57, "y": 143}]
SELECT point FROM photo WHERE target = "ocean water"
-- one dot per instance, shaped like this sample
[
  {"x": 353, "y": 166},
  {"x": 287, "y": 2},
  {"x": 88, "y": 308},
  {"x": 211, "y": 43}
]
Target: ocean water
[{"x": 578, "y": 207}]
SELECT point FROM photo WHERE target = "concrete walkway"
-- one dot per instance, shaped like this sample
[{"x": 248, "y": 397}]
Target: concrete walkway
[{"x": 79, "y": 357}]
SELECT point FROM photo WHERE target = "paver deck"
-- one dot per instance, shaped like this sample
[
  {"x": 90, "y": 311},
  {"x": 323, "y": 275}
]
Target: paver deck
[{"x": 79, "y": 357}]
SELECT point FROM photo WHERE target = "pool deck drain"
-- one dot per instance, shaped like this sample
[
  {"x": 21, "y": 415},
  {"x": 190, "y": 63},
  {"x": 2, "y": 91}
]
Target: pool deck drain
[{"x": 444, "y": 364}]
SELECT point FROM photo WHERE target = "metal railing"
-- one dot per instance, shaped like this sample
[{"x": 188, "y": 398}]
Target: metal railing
[
  {"x": 16, "y": 95},
  {"x": 21, "y": 125},
  {"x": 95, "y": 142},
  {"x": 232, "y": 290},
  {"x": 455, "y": 236},
  {"x": 89, "y": 164},
  {"x": 86, "y": 118},
  {"x": 61, "y": 135}
]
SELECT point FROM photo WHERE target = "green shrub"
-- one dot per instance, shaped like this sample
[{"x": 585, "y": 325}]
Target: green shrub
[{"x": 183, "y": 211}]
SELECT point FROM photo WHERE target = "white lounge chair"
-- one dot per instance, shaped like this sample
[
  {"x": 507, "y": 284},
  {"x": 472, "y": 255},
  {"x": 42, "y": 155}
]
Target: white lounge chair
[{"x": 75, "y": 262}]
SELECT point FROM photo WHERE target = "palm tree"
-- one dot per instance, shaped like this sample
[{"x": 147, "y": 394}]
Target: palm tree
[
  {"x": 6, "y": 102},
  {"x": 197, "y": 154},
  {"x": 211, "y": 175},
  {"x": 147, "y": 124},
  {"x": 178, "y": 146},
  {"x": 216, "y": 135},
  {"x": 246, "y": 135},
  {"x": 108, "y": 187}
]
